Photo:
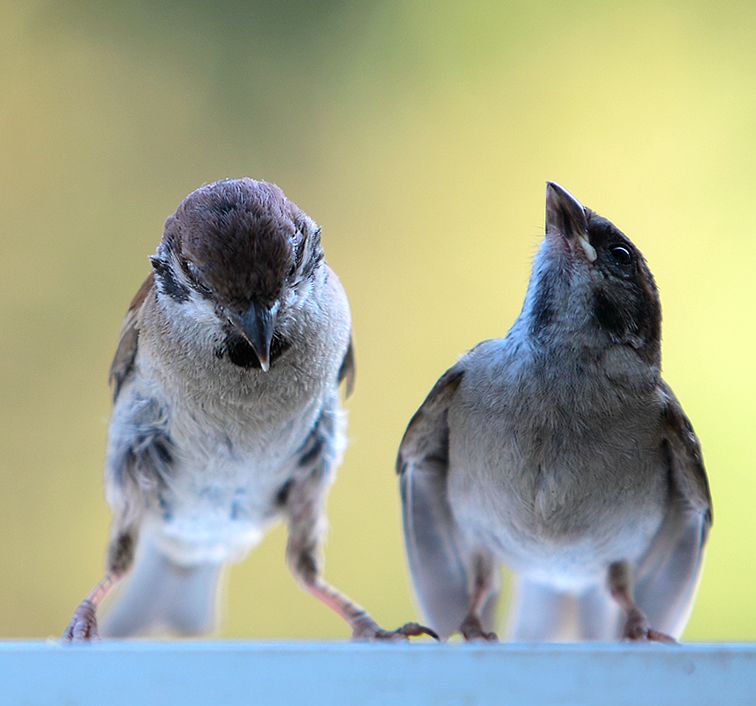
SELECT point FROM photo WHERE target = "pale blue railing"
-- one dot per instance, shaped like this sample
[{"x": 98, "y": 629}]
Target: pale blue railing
[{"x": 289, "y": 674}]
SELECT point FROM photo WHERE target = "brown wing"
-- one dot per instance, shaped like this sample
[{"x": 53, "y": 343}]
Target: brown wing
[
  {"x": 668, "y": 574},
  {"x": 687, "y": 467},
  {"x": 439, "y": 559},
  {"x": 123, "y": 360},
  {"x": 347, "y": 371}
]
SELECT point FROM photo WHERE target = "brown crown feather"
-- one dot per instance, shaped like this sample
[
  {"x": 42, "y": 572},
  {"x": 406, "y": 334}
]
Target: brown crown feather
[{"x": 238, "y": 233}]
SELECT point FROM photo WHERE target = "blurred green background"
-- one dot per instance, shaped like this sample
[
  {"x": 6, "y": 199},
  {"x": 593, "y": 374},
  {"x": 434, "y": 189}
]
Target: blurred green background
[{"x": 420, "y": 136}]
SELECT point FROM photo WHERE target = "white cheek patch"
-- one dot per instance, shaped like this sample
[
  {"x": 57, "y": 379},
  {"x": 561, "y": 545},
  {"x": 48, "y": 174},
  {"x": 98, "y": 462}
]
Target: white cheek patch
[
  {"x": 588, "y": 249},
  {"x": 199, "y": 309}
]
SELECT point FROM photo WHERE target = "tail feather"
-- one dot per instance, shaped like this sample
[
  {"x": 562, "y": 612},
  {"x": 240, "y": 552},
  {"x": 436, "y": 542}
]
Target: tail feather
[
  {"x": 540, "y": 613},
  {"x": 160, "y": 596}
]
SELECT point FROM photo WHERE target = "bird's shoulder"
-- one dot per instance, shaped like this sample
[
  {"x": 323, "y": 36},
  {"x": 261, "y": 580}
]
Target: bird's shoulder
[
  {"x": 427, "y": 433},
  {"x": 494, "y": 369},
  {"x": 128, "y": 343},
  {"x": 683, "y": 451},
  {"x": 348, "y": 369}
]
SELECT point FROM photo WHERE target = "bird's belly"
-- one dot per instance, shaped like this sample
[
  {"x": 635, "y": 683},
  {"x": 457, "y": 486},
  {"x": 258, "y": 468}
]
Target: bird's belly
[
  {"x": 558, "y": 522},
  {"x": 223, "y": 488},
  {"x": 216, "y": 511}
]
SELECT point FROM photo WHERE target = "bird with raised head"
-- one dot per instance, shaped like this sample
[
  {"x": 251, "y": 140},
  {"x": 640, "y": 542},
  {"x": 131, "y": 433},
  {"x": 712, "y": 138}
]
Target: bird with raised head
[
  {"x": 560, "y": 452},
  {"x": 226, "y": 412}
]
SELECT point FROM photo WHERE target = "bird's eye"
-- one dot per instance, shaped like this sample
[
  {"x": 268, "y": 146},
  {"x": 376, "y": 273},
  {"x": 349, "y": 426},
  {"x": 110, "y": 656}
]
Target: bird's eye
[
  {"x": 621, "y": 255},
  {"x": 195, "y": 277}
]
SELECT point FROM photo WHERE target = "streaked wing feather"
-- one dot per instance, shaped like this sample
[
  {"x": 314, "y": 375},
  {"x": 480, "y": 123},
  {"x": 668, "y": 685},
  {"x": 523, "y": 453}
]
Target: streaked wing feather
[
  {"x": 689, "y": 474},
  {"x": 438, "y": 558},
  {"x": 123, "y": 360},
  {"x": 669, "y": 573}
]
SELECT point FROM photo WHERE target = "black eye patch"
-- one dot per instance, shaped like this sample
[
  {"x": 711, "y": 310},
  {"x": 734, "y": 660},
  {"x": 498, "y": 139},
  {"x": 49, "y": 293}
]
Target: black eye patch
[
  {"x": 194, "y": 276},
  {"x": 609, "y": 315},
  {"x": 167, "y": 281}
]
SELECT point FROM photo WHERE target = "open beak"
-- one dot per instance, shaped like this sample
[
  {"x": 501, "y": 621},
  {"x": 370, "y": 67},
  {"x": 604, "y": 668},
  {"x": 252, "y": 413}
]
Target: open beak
[
  {"x": 565, "y": 215},
  {"x": 257, "y": 325}
]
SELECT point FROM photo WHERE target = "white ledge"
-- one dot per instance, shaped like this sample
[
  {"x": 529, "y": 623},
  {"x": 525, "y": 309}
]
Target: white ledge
[{"x": 288, "y": 674}]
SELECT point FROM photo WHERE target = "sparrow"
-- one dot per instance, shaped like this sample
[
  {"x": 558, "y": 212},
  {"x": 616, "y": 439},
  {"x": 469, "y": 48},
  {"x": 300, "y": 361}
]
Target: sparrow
[
  {"x": 226, "y": 413},
  {"x": 560, "y": 452}
]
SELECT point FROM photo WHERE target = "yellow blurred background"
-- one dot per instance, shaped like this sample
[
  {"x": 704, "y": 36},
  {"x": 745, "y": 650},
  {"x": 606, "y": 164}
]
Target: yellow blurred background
[{"x": 420, "y": 136}]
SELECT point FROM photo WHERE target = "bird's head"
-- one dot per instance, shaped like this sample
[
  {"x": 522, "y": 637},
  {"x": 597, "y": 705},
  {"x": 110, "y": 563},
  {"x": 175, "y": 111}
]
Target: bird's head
[
  {"x": 589, "y": 278},
  {"x": 240, "y": 257}
]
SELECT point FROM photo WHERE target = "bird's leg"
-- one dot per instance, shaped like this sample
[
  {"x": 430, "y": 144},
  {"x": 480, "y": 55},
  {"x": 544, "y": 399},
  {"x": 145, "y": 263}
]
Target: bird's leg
[
  {"x": 636, "y": 624},
  {"x": 305, "y": 511},
  {"x": 483, "y": 583},
  {"x": 83, "y": 625}
]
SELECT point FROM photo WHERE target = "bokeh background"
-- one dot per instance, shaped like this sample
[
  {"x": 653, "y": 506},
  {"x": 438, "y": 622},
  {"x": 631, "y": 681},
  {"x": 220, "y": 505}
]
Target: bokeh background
[{"x": 420, "y": 135}]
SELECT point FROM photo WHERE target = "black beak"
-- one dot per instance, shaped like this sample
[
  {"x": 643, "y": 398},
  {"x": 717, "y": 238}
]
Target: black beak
[
  {"x": 257, "y": 325},
  {"x": 565, "y": 217}
]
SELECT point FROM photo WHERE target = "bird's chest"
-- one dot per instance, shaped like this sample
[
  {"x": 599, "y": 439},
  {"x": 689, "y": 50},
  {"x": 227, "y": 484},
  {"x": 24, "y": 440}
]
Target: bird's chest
[
  {"x": 226, "y": 481},
  {"x": 555, "y": 497}
]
